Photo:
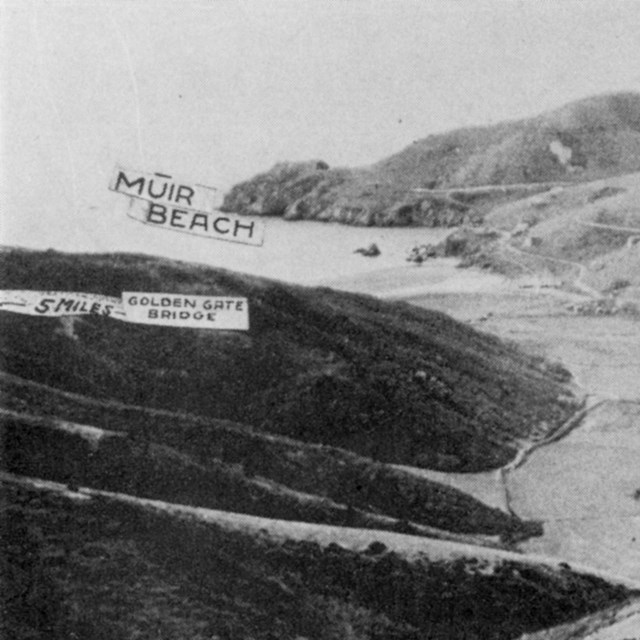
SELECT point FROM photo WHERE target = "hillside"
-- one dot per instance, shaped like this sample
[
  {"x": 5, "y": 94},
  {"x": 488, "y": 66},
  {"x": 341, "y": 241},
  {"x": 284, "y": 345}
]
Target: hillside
[
  {"x": 223, "y": 465},
  {"x": 587, "y": 232},
  {"x": 386, "y": 380},
  {"x": 101, "y": 565},
  {"x": 618, "y": 622},
  {"x": 178, "y": 483},
  {"x": 585, "y": 140}
]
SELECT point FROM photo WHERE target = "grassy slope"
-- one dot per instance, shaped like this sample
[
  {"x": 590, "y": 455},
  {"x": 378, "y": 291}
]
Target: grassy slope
[
  {"x": 618, "y": 622},
  {"x": 109, "y": 567},
  {"x": 113, "y": 568},
  {"x": 386, "y": 380},
  {"x": 603, "y": 134},
  {"x": 555, "y": 220},
  {"x": 226, "y": 466}
]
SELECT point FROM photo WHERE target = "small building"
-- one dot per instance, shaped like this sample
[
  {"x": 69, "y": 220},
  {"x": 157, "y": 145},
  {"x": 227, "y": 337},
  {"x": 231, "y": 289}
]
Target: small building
[{"x": 532, "y": 241}]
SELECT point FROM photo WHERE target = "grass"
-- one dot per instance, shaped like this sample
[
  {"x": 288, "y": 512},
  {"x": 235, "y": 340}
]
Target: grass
[
  {"x": 602, "y": 132},
  {"x": 557, "y": 221},
  {"x": 224, "y": 465},
  {"x": 317, "y": 365},
  {"x": 102, "y": 568}
]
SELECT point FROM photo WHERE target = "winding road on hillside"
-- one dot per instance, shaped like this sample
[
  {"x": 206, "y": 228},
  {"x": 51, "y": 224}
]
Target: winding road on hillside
[
  {"x": 579, "y": 282},
  {"x": 493, "y": 188},
  {"x": 583, "y": 271},
  {"x": 358, "y": 540},
  {"x": 611, "y": 227},
  {"x": 582, "y": 488}
]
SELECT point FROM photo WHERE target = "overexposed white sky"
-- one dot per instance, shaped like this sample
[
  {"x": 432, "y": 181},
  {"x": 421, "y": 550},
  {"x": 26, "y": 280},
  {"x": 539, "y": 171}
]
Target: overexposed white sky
[{"x": 217, "y": 90}]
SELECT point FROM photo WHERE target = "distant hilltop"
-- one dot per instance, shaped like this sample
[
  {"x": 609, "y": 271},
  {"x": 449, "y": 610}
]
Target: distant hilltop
[{"x": 593, "y": 138}]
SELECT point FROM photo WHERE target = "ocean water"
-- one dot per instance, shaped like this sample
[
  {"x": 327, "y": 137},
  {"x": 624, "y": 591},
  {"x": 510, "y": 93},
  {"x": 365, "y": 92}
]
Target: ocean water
[
  {"x": 300, "y": 252},
  {"x": 303, "y": 252}
]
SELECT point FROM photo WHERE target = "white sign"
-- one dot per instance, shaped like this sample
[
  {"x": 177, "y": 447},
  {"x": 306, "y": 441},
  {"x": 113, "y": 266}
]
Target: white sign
[
  {"x": 168, "y": 309},
  {"x": 60, "y": 303},
  {"x": 218, "y": 225},
  {"x": 163, "y": 189},
  {"x": 180, "y": 310}
]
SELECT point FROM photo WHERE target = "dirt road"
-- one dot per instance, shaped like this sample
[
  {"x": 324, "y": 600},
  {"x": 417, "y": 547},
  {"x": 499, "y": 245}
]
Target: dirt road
[
  {"x": 581, "y": 482},
  {"x": 584, "y": 488},
  {"x": 581, "y": 270}
]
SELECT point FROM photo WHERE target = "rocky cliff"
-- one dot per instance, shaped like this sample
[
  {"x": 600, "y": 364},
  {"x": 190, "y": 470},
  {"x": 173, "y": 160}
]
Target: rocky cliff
[{"x": 584, "y": 140}]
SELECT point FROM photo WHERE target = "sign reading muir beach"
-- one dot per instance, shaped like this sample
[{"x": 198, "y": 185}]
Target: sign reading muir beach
[
  {"x": 219, "y": 226},
  {"x": 158, "y": 200},
  {"x": 163, "y": 189},
  {"x": 180, "y": 310}
]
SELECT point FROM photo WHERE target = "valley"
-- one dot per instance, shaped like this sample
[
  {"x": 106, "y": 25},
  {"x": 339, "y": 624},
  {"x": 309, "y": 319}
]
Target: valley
[
  {"x": 581, "y": 486},
  {"x": 442, "y": 448}
]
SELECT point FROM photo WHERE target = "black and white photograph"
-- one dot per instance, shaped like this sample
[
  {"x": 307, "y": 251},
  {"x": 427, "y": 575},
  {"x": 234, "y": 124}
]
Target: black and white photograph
[{"x": 320, "y": 320}]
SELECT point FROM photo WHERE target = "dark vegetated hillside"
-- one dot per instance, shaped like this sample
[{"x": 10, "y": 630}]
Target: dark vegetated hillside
[
  {"x": 357, "y": 494},
  {"x": 101, "y": 566},
  {"x": 390, "y": 381},
  {"x": 619, "y": 621},
  {"x": 303, "y": 481},
  {"x": 584, "y": 140},
  {"x": 602, "y": 134}
]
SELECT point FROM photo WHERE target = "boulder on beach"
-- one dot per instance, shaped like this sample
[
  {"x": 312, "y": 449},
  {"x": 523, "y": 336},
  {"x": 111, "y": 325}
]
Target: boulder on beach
[
  {"x": 372, "y": 251},
  {"x": 420, "y": 253}
]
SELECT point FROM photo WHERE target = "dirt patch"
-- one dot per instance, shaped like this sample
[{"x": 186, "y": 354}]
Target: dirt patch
[{"x": 583, "y": 489}]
